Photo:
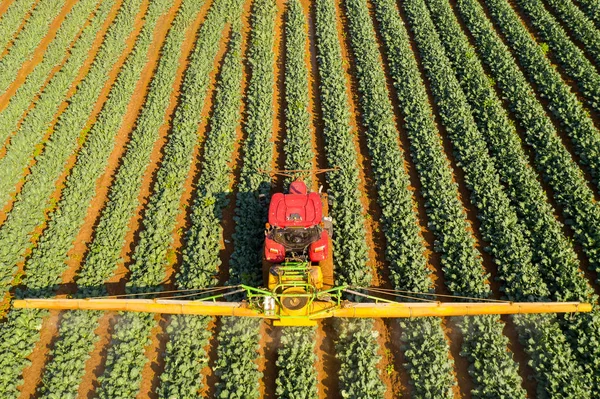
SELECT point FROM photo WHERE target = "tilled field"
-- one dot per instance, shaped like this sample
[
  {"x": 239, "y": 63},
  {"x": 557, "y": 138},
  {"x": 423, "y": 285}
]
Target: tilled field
[{"x": 466, "y": 139}]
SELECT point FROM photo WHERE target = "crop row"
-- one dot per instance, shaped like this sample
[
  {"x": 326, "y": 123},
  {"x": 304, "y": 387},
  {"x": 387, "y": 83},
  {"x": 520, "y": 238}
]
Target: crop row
[
  {"x": 188, "y": 335},
  {"x": 571, "y": 58},
  {"x": 582, "y": 27},
  {"x": 34, "y": 198},
  {"x": 14, "y": 358},
  {"x": 297, "y": 376},
  {"x": 591, "y": 9},
  {"x": 499, "y": 223},
  {"x": 355, "y": 368},
  {"x": 28, "y": 40},
  {"x": 552, "y": 251},
  {"x": 126, "y": 354},
  {"x": 404, "y": 246},
  {"x": 298, "y": 149},
  {"x": 563, "y": 103},
  {"x": 55, "y": 54},
  {"x": 347, "y": 212},
  {"x": 76, "y": 338},
  {"x": 238, "y": 338},
  {"x": 552, "y": 159},
  {"x": 296, "y": 361},
  {"x": 38, "y": 121},
  {"x": 461, "y": 262},
  {"x": 11, "y": 20}
]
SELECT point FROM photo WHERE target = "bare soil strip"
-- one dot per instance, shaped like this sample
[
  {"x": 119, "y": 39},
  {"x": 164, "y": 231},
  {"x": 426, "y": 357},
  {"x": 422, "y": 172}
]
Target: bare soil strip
[{"x": 38, "y": 54}]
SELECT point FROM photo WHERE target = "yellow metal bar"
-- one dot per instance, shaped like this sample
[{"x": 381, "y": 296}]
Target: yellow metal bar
[
  {"x": 143, "y": 305},
  {"x": 318, "y": 310},
  {"x": 455, "y": 309}
]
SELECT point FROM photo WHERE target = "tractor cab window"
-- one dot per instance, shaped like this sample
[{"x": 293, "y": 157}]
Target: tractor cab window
[{"x": 296, "y": 238}]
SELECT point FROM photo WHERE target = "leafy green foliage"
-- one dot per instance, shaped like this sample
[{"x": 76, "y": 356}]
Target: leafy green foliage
[
  {"x": 347, "y": 212},
  {"x": 250, "y": 215},
  {"x": 564, "y": 104},
  {"x": 54, "y": 55},
  {"x": 76, "y": 338},
  {"x": 509, "y": 247},
  {"x": 126, "y": 355},
  {"x": 298, "y": 147},
  {"x": 296, "y": 360},
  {"x": 552, "y": 252},
  {"x": 11, "y": 20},
  {"x": 297, "y": 376},
  {"x": 27, "y": 40},
  {"x": 184, "y": 355},
  {"x": 41, "y": 277},
  {"x": 583, "y": 28},
  {"x": 591, "y": 9},
  {"x": 238, "y": 338},
  {"x": 461, "y": 262},
  {"x": 356, "y": 348},
  {"x": 31, "y": 203},
  {"x": 236, "y": 368}
]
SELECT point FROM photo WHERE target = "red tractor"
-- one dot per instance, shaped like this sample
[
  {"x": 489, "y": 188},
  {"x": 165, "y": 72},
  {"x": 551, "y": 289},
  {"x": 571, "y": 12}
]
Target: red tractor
[{"x": 297, "y": 227}]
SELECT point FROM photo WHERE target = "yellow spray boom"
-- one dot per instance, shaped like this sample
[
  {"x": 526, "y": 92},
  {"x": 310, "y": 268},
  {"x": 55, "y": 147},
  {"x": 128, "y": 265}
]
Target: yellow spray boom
[{"x": 295, "y": 296}]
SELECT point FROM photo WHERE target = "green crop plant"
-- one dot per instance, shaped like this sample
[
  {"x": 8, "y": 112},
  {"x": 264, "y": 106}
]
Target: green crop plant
[
  {"x": 27, "y": 40},
  {"x": 185, "y": 356},
  {"x": 238, "y": 338},
  {"x": 591, "y": 9},
  {"x": 499, "y": 223},
  {"x": 126, "y": 352},
  {"x": 25, "y": 324},
  {"x": 76, "y": 338},
  {"x": 581, "y": 26},
  {"x": 553, "y": 253},
  {"x": 563, "y": 103},
  {"x": 493, "y": 370},
  {"x": 12, "y": 19},
  {"x": 572, "y": 59},
  {"x": 69, "y": 32},
  {"x": 33, "y": 200}
]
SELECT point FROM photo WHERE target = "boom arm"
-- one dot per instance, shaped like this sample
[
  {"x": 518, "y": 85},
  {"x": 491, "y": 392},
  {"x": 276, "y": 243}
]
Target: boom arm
[{"x": 264, "y": 304}]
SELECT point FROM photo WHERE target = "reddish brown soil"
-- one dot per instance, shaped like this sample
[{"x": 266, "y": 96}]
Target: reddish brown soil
[
  {"x": 38, "y": 54},
  {"x": 96, "y": 362}
]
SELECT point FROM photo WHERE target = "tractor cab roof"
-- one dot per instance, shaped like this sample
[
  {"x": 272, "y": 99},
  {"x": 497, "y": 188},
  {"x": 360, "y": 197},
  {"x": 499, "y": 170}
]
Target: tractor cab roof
[{"x": 295, "y": 210}]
